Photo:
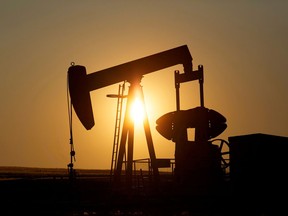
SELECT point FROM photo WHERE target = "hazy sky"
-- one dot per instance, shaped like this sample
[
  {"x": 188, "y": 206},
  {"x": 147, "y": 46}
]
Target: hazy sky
[{"x": 241, "y": 44}]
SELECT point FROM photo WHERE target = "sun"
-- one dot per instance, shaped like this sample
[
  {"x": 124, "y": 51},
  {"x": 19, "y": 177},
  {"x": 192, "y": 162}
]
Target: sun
[{"x": 137, "y": 112}]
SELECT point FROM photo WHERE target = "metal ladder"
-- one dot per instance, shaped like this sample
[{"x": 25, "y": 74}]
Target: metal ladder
[{"x": 120, "y": 96}]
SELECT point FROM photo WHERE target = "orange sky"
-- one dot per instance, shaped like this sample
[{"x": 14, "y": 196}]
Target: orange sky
[{"x": 242, "y": 46}]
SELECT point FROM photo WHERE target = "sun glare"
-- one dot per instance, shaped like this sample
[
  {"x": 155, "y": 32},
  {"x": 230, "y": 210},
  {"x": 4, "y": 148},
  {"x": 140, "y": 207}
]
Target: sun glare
[{"x": 137, "y": 111}]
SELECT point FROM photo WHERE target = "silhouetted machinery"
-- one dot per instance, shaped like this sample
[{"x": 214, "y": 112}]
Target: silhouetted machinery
[{"x": 195, "y": 161}]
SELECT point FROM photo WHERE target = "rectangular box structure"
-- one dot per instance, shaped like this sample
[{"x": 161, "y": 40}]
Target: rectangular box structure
[{"x": 259, "y": 165}]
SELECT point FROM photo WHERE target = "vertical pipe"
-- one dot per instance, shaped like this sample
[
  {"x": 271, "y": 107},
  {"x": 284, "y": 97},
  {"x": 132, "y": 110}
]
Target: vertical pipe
[
  {"x": 201, "y": 81},
  {"x": 177, "y": 86}
]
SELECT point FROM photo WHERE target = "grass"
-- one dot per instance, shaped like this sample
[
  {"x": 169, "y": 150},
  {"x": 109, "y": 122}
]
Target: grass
[
  {"x": 11, "y": 172},
  {"x": 48, "y": 191}
]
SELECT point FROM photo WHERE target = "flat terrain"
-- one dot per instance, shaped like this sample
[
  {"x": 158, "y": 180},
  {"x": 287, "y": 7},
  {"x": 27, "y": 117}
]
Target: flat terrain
[{"x": 40, "y": 191}]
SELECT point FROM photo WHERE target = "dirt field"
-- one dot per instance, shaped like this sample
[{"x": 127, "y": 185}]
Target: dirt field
[{"x": 37, "y": 191}]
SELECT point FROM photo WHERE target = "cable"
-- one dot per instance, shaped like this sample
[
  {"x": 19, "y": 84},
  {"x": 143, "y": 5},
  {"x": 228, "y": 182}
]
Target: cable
[{"x": 72, "y": 151}]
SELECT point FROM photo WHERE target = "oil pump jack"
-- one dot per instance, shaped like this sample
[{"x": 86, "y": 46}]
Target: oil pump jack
[{"x": 173, "y": 126}]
